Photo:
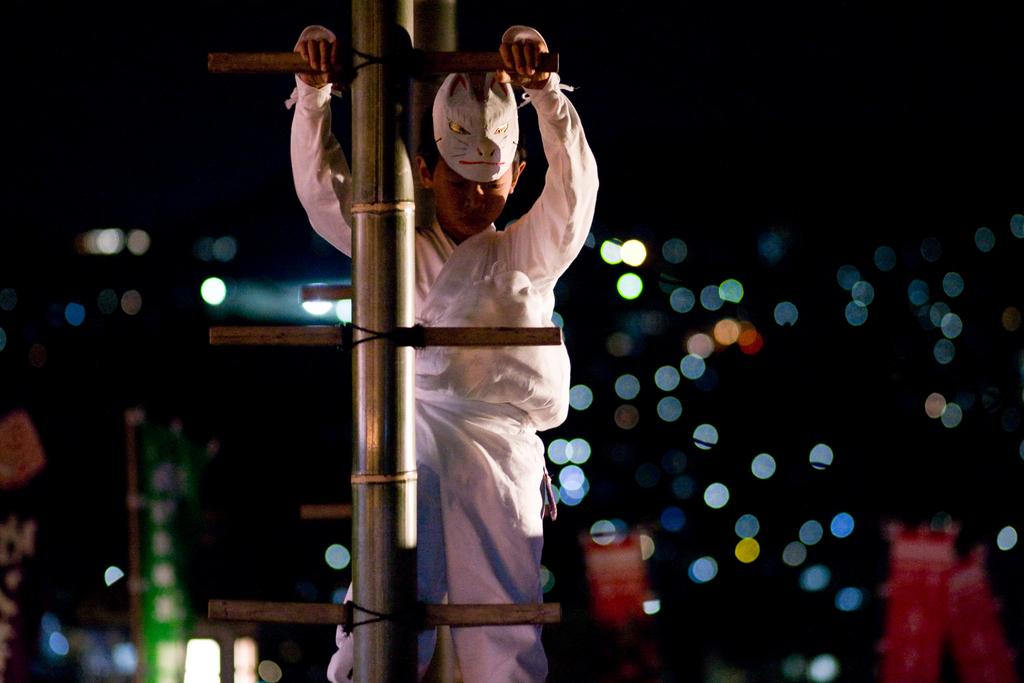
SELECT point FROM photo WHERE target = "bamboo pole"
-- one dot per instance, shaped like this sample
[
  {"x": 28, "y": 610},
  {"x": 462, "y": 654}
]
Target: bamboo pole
[
  {"x": 384, "y": 467},
  {"x": 431, "y": 615},
  {"x": 333, "y": 335},
  {"x": 419, "y": 62}
]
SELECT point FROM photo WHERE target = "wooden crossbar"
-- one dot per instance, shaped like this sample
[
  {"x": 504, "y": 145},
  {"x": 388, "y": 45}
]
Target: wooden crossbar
[
  {"x": 433, "y": 615},
  {"x": 332, "y": 335},
  {"x": 329, "y": 511},
  {"x": 324, "y": 292},
  {"x": 421, "y": 62}
]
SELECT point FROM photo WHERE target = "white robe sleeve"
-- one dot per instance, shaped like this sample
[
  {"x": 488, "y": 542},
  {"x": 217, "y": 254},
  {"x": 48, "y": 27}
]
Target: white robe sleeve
[
  {"x": 546, "y": 240},
  {"x": 323, "y": 181}
]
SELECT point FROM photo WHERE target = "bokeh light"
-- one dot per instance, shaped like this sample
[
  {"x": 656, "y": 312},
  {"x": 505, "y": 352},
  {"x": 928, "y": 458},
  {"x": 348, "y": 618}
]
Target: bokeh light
[
  {"x": 138, "y": 242},
  {"x": 646, "y": 547},
  {"x": 673, "y": 519},
  {"x": 3, "y": 339},
  {"x": 726, "y": 331},
  {"x": 674, "y": 462},
  {"x": 225, "y": 248},
  {"x": 705, "y": 436},
  {"x": 131, "y": 302},
  {"x": 747, "y": 526},
  {"x": 1011, "y": 318},
  {"x": 692, "y": 366},
  {"x": 74, "y": 313},
  {"x": 1007, "y": 538},
  {"x": 603, "y": 532},
  {"x": 58, "y": 644},
  {"x": 885, "y": 258},
  {"x": 107, "y": 301},
  {"x": 670, "y": 409},
  {"x": 731, "y": 290},
  {"x": 112, "y": 575},
  {"x": 633, "y": 252},
  {"x": 944, "y": 351},
  {"x": 710, "y": 299},
  {"x": 683, "y": 487},
  {"x": 626, "y": 417},
  {"x": 1017, "y": 225},
  {"x": 703, "y": 569},
  {"x": 821, "y": 456},
  {"x": 269, "y": 671},
  {"x": 580, "y": 397},
  {"x": 863, "y": 293},
  {"x": 629, "y": 286},
  {"x": 984, "y": 239},
  {"x": 214, "y": 291},
  {"x": 666, "y": 378},
  {"x": 571, "y": 477},
  {"x": 786, "y": 313},
  {"x": 682, "y": 300},
  {"x": 842, "y": 525},
  {"x": 951, "y": 325},
  {"x": 934, "y": 405},
  {"x": 747, "y": 550},
  {"x": 811, "y": 532},
  {"x": 627, "y": 387},
  {"x": 317, "y": 308},
  {"x": 856, "y": 314},
  {"x": 794, "y": 554},
  {"x": 815, "y": 578},
  {"x": 763, "y": 466},
  {"x": 611, "y": 252},
  {"x": 918, "y": 292},
  {"x": 578, "y": 451},
  {"x": 952, "y": 415},
  {"x": 556, "y": 452},
  {"x": 547, "y": 579},
  {"x": 343, "y": 310},
  {"x": 337, "y": 556},
  {"x": 674, "y": 250},
  {"x": 716, "y": 496},
  {"x": 847, "y": 276},
  {"x": 953, "y": 284},
  {"x": 700, "y": 344},
  {"x": 8, "y": 299},
  {"x": 652, "y": 606},
  {"x": 823, "y": 669},
  {"x": 849, "y": 599}
]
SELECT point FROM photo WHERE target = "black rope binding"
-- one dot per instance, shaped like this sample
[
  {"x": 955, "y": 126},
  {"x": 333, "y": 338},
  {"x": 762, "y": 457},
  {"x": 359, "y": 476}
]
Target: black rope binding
[
  {"x": 412, "y": 618},
  {"x": 403, "y": 336}
]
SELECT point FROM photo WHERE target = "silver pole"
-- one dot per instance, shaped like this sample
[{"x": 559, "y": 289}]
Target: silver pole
[
  {"x": 435, "y": 31},
  {"x": 384, "y": 468}
]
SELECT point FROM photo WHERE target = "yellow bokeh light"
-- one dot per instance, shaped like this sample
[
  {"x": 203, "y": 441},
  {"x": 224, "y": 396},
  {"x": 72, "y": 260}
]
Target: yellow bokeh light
[
  {"x": 727, "y": 331},
  {"x": 748, "y": 334},
  {"x": 633, "y": 252},
  {"x": 747, "y": 550},
  {"x": 935, "y": 405}
]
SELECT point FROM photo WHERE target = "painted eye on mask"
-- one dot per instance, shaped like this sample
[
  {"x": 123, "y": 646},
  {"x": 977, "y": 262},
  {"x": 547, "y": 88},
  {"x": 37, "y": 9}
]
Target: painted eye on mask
[
  {"x": 456, "y": 128},
  {"x": 502, "y": 129}
]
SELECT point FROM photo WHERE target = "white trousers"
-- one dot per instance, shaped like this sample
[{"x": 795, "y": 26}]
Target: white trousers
[{"x": 480, "y": 535}]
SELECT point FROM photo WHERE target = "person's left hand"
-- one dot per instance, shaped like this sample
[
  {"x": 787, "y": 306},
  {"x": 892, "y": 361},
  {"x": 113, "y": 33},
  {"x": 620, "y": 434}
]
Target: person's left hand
[{"x": 521, "y": 60}]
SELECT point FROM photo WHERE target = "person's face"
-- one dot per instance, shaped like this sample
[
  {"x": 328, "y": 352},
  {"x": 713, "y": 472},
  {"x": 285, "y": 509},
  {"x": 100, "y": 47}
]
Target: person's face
[{"x": 466, "y": 207}]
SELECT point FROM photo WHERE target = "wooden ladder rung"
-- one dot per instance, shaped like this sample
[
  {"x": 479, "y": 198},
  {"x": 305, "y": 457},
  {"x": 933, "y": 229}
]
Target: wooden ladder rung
[
  {"x": 332, "y": 335},
  {"x": 422, "y": 62},
  {"x": 324, "y": 292},
  {"x": 326, "y": 511},
  {"x": 434, "y": 615}
]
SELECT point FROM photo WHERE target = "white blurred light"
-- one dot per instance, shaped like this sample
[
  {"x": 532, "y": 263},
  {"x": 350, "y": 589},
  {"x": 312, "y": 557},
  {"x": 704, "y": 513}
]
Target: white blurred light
[
  {"x": 716, "y": 496},
  {"x": 112, "y": 575},
  {"x": 823, "y": 669},
  {"x": 633, "y": 252},
  {"x": 703, "y": 569},
  {"x": 611, "y": 252},
  {"x": 337, "y": 556},
  {"x": 317, "y": 307},
  {"x": 763, "y": 466},
  {"x": 245, "y": 660},
  {"x": 652, "y": 606},
  {"x": 202, "y": 661},
  {"x": 343, "y": 310},
  {"x": 213, "y": 291},
  {"x": 1007, "y": 538},
  {"x": 138, "y": 242}
]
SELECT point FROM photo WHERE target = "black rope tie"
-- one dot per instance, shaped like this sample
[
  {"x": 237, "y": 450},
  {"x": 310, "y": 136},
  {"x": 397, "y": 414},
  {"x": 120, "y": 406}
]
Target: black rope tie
[
  {"x": 404, "y": 336},
  {"x": 412, "y": 618}
]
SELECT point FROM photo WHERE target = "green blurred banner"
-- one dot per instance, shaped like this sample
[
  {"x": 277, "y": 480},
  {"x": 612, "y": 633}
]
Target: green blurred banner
[{"x": 169, "y": 525}]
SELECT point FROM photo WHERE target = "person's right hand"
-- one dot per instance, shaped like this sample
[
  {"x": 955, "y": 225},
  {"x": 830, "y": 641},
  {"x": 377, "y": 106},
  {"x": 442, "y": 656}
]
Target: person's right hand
[{"x": 321, "y": 55}]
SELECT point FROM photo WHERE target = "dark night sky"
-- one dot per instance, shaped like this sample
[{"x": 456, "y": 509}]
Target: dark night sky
[{"x": 842, "y": 126}]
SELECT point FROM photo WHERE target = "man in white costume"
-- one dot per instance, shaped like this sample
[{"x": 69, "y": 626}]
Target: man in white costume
[{"x": 481, "y": 472}]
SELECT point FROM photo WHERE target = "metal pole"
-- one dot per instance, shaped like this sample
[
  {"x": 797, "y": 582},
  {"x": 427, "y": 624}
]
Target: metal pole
[
  {"x": 435, "y": 31},
  {"x": 384, "y": 471}
]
